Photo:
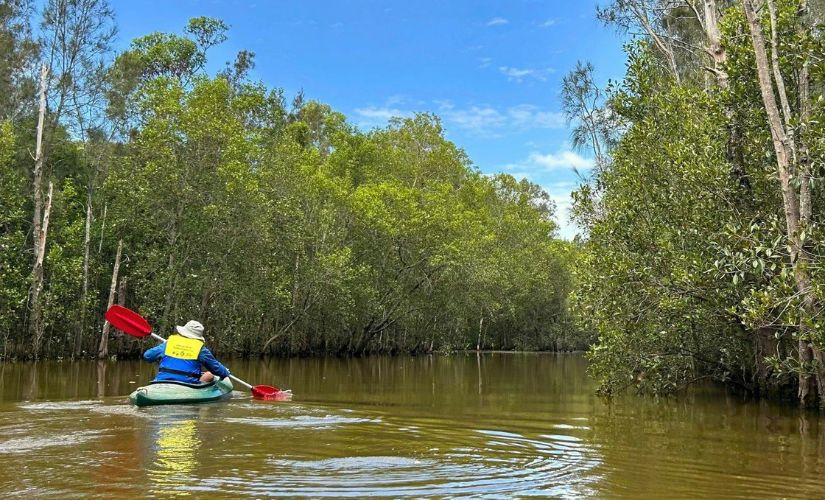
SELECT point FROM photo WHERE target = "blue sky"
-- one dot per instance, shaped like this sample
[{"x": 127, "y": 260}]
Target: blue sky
[{"x": 491, "y": 69}]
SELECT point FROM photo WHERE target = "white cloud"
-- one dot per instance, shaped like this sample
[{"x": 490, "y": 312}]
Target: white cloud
[
  {"x": 497, "y": 21},
  {"x": 527, "y": 115},
  {"x": 491, "y": 121},
  {"x": 484, "y": 62},
  {"x": 520, "y": 74},
  {"x": 474, "y": 118},
  {"x": 483, "y": 120},
  {"x": 548, "y": 23},
  {"x": 515, "y": 73},
  {"x": 565, "y": 160}
]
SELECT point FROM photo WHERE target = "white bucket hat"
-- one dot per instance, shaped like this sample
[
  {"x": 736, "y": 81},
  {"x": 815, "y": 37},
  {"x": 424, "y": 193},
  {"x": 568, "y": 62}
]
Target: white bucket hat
[{"x": 193, "y": 330}]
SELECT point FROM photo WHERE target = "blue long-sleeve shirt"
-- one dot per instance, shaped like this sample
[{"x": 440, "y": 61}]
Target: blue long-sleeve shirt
[{"x": 205, "y": 358}]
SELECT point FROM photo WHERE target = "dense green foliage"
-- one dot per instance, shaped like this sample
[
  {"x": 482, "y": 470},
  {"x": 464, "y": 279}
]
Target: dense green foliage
[
  {"x": 689, "y": 267},
  {"x": 283, "y": 228}
]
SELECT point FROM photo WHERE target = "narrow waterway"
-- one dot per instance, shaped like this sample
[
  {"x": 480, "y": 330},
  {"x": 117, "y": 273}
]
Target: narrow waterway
[{"x": 495, "y": 425}]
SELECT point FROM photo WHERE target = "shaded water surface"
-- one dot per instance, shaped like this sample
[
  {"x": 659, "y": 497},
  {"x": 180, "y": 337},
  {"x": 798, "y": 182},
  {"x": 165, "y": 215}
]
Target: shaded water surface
[{"x": 495, "y": 425}]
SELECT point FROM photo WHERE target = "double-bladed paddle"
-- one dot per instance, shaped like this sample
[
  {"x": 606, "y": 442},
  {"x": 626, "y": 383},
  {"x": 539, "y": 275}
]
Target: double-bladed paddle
[{"x": 134, "y": 324}]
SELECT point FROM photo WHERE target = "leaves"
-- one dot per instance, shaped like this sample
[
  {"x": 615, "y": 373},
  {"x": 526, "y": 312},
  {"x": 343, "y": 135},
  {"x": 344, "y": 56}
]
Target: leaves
[
  {"x": 688, "y": 267},
  {"x": 287, "y": 229}
]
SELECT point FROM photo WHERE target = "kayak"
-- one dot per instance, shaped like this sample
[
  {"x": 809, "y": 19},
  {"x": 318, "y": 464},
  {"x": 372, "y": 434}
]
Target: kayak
[{"x": 168, "y": 392}]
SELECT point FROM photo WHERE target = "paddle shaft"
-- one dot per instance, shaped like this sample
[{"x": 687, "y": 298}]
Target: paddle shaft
[{"x": 233, "y": 377}]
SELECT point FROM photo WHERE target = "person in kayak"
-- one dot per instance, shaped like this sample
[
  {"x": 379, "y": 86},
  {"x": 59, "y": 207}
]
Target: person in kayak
[{"x": 183, "y": 357}]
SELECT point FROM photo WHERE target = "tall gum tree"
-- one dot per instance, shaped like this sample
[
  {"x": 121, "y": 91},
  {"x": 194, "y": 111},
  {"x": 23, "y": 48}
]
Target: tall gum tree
[
  {"x": 794, "y": 173},
  {"x": 75, "y": 36}
]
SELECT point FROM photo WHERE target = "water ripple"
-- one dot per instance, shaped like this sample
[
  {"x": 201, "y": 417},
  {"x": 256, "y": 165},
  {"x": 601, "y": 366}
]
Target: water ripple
[
  {"x": 60, "y": 405},
  {"x": 28, "y": 444},
  {"x": 304, "y": 421},
  {"x": 500, "y": 464}
]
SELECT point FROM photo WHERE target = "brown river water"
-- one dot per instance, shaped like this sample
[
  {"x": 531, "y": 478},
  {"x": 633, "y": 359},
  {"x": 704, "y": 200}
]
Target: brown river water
[{"x": 489, "y": 426}]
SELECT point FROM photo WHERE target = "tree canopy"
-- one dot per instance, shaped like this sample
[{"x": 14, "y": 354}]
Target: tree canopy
[
  {"x": 282, "y": 227},
  {"x": 702, "y": 256}
]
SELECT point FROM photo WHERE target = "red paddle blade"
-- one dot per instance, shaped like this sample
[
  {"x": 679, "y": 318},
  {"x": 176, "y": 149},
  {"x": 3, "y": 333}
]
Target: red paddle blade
[
  {"x": 269, "y": 393},
  {"x": 128, "y": 321}
]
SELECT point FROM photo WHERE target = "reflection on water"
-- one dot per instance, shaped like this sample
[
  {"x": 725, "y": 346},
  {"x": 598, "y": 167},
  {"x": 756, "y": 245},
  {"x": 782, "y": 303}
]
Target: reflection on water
[
  {"x": 176, "y": 446},
  {"x": 491, "y": 425},
  {"x": 101, "y": 378}
]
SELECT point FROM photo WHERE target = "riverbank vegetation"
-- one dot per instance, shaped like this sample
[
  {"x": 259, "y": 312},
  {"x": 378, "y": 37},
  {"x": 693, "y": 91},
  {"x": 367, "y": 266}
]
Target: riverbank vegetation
[
  {"x": 143, "y": 178},
  {"x": 704, "y": 231},
  {"x": 157, "y": 179}
]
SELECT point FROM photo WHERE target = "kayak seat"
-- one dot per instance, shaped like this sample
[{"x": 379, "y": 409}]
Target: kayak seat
[{"x": 185, "y": 384}]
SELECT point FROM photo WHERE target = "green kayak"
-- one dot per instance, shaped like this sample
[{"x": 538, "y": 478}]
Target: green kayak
[{"x": 173, "y": 393}]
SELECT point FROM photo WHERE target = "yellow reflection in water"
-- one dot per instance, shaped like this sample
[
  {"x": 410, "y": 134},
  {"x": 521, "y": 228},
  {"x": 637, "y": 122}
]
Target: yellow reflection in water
[{"x": 177, "y": 446}]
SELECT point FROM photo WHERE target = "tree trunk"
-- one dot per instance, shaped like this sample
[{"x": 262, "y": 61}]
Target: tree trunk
[
  {"x": 662, "y": 44},
  {"x": 781, "y": 141},
  {"x": 102, "y": 229},
  {"x": 121, "y": 301},
  {"x": 480, "y": 330},
  {"x": 715, "y": 48},
  {"x": 765, "y": 345},
  {"x": 103, "y": 348},
  {"x": 39, "y": 158},
  {"x": 780, "y": 85},
  {"x": 37, "y": 325},
  {"x": 805, "y": 177},
  {"x": 733, "y": 153},
  {"x": 784, "y": 147},
  {"x": 87, "y": 238},
  {"x": 35, "y": 321}
]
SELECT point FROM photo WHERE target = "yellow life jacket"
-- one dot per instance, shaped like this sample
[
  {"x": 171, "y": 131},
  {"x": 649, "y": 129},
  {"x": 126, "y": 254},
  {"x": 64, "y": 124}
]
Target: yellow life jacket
[{"x": 182, "y": 347}]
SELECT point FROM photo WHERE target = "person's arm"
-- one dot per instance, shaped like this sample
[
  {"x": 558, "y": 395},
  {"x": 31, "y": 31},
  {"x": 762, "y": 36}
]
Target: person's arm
[
  {"x": 213, "y": 365},
  {"x": 154, "y": 353}
]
